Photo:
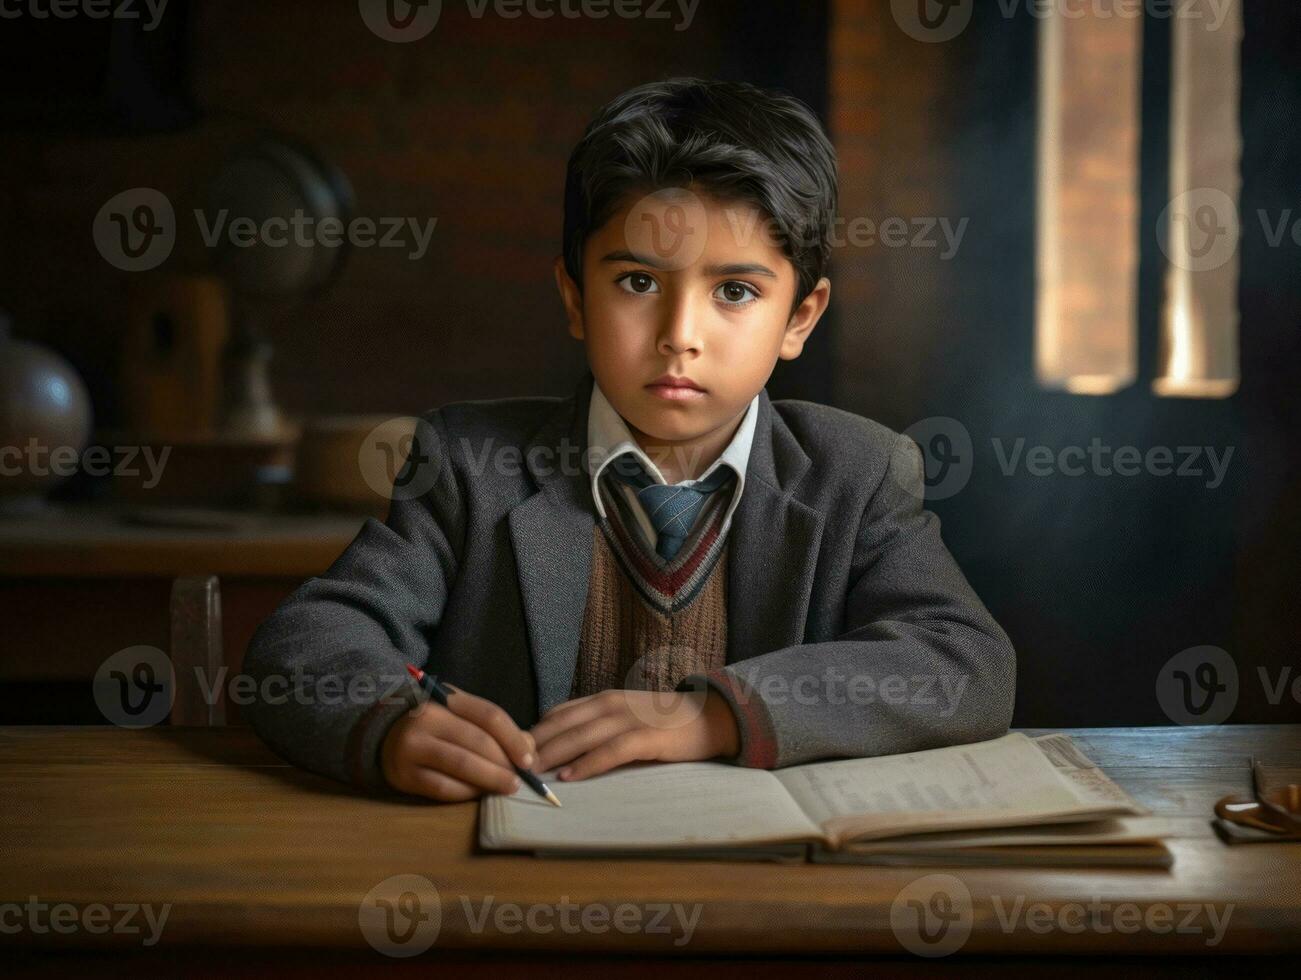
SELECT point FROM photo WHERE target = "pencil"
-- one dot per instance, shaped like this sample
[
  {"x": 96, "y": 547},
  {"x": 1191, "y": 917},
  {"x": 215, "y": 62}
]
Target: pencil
[{"x": 431, "y": 686}]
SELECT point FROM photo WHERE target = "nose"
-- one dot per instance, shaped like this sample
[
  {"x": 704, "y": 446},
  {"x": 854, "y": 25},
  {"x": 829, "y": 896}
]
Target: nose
[{"x": 679, "y": 331}]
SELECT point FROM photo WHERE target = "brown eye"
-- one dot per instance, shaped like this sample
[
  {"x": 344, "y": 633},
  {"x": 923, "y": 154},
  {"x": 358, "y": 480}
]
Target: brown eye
[
  {"x": 736, "y": 293},
  {"x": 637, "y": 282}
]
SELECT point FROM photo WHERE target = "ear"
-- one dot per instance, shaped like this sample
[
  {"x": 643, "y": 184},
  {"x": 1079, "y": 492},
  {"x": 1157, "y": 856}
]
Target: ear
[
  {"x": 571, "y": 297},
  {"x": 804, "y": 319}
]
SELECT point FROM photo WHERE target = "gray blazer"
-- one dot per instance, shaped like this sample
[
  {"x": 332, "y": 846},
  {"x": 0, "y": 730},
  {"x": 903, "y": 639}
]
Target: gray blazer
[{"x": 851, "y": 630}]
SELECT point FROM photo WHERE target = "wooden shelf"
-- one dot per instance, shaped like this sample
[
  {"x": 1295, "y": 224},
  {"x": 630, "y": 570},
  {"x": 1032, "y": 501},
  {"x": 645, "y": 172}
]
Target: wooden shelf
[{"x": 98, "y": 541}]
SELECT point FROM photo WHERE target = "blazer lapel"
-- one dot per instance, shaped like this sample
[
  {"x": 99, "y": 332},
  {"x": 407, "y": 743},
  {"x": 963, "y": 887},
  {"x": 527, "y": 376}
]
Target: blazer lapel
[
  {"x": 772, "y": 550},
  {"x": 551, "y": 532},
  {"x": 773, "y": 545}
]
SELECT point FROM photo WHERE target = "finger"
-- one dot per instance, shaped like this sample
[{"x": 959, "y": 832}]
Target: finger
[
  {"x": 631, "y": 746},
  {"x": 420, "y": 781},
  {"x": 440, "y": 722},
  {"x": 568, "y": 745},
  {"x": 453, "y": 728},
  {"x": 462, "y": 764},
  {"x": 518, "y": 745},
  {"x": 576, "y": 713},
  {"x": 409, "y": 776},
  {"x": 556, "y": 709}
]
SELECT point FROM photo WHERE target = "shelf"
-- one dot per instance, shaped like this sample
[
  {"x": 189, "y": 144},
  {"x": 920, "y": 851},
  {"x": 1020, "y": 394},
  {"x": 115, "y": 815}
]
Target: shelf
[{"x": 98, "y": 541}]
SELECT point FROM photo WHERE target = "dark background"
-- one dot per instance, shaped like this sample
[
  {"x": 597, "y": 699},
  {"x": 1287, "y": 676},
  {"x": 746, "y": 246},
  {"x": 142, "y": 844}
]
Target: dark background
[{"x": 1098, "y": 580}]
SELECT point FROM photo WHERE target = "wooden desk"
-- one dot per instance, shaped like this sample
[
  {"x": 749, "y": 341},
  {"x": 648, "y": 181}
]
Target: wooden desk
[{"x": 251, "y": 852}]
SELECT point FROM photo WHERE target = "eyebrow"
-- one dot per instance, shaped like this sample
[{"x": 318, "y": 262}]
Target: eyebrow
[{"x": 735, "y": 269}]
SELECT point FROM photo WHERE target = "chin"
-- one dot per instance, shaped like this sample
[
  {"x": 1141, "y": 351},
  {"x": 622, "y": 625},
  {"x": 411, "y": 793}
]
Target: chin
[{"x": 670, "y": 424}]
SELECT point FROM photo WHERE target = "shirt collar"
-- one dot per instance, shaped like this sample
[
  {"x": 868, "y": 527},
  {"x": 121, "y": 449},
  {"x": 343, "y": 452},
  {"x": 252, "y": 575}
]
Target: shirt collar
[{"x": 608, "y": 437}]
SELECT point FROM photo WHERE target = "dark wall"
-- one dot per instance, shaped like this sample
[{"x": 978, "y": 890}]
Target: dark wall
[
  {"x": 1100, "y": 579},
  {"x": 471, "y": 125}
]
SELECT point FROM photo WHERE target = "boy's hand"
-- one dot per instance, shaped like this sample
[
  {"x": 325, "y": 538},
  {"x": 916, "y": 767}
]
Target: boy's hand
[
  {"x": 455, "y": 753},
  {"x": 616, "y": 726}
]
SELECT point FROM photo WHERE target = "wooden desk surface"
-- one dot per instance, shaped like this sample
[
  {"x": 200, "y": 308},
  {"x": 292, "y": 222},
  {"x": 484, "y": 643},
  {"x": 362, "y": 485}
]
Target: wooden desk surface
[{"x": 251, "y": 852}]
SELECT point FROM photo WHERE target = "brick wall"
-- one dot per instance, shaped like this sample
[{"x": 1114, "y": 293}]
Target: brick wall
[
  {"x": 471, "y": 125},
  {"x": 887, "y": 118}
]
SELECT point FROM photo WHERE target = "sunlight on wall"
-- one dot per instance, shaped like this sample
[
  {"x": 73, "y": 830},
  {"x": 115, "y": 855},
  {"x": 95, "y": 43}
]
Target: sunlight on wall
[{"x": 1087, "y": 205}]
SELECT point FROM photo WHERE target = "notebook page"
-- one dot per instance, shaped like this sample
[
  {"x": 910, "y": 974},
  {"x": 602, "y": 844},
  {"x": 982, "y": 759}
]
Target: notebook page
[
  {"x": 1116, "y": 830},
  {"x": 1089, "y": 781},
  {"x": 681, "y": 804},
  {"x": 1001, "y": 782}
]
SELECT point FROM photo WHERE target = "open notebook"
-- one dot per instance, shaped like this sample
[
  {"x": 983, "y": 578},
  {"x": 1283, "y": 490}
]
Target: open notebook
[{"x": 1011, "y": 800}]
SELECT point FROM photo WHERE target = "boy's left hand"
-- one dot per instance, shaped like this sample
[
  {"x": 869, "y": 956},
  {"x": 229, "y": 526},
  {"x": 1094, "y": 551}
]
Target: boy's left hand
[{"x": 591, "y": 735}]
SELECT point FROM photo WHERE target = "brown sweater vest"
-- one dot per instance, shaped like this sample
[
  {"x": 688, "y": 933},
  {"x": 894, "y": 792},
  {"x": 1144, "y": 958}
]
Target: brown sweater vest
[{"x": 650, "y": 623}]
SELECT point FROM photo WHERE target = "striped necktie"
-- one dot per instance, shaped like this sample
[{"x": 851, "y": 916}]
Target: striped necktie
[{"x": 672, "y": 508}]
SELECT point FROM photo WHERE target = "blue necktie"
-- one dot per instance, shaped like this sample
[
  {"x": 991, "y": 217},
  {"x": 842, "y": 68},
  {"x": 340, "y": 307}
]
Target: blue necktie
[{"x": 672, "y": 508}]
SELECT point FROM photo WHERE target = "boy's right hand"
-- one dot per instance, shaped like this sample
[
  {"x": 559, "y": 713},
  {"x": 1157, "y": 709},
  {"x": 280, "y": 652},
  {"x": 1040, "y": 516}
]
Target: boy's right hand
[{"x": 455, "y": 753}]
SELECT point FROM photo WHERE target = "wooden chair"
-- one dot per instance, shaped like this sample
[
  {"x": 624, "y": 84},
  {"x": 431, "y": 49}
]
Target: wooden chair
[{"x": 196, "y": 652}]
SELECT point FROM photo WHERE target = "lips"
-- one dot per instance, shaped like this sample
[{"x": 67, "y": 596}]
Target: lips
[
  {"x": 675, "y": 389},
  {"x": 674, "y": 381}
]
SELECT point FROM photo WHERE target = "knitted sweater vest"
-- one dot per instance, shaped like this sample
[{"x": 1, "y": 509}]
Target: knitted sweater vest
[{"x": 650, "y": 623}]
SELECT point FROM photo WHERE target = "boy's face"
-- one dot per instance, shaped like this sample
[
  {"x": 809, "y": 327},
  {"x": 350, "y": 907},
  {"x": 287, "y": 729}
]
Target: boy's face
[{"x": 682, "y": 284}]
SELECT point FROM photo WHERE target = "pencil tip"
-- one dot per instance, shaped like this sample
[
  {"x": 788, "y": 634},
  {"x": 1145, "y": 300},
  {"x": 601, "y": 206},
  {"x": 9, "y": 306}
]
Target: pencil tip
[{"x": 551, "y": 798}]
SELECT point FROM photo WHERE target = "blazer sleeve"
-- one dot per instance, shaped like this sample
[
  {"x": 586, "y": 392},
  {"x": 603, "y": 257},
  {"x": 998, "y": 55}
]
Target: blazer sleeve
[
  {"x": 328, "y": 665},
  {"x": 920, "y": 663}
]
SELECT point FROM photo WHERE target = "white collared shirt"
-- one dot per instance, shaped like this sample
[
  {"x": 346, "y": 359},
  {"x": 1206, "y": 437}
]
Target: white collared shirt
[{"x": 608, "y": 437}]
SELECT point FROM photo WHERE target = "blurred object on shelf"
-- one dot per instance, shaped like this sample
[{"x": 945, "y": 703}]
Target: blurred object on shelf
[
  {"x": 45, "y": 420},
  {"x": 350, "y": 461},
  {"x": 177, "y": 329},
  {"x": 272, "y": 180},
  {"x": 201, "y": 425},
  {"x": 249, "y": 410}
]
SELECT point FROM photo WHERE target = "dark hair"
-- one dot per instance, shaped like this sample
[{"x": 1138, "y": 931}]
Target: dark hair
[{"x": 734, "y": 140}]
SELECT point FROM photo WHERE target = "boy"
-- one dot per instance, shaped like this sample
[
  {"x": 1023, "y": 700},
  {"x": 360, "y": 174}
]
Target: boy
[{"x": 665, "y": 565}]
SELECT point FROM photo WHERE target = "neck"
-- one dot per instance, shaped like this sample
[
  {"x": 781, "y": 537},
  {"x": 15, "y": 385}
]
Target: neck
[{"x": 686, "y": 459}]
